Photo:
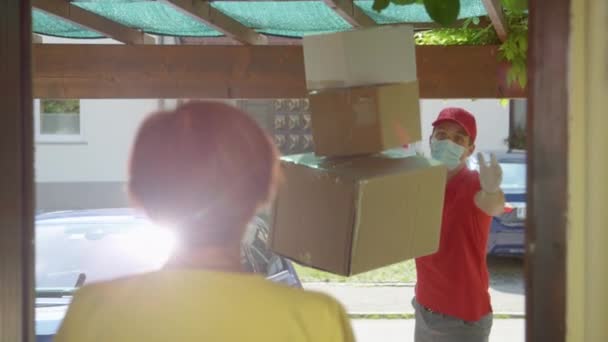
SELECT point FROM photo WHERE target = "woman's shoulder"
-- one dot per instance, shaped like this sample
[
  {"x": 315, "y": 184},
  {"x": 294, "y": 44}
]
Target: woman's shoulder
[
  {"x": 102, "y": 290},
  {"x": 160, "y": 282}
]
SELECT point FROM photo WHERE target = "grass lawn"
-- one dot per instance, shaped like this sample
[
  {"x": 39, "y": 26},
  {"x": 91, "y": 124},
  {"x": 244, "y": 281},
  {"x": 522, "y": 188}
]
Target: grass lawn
[{"x": 404, "y": 272}]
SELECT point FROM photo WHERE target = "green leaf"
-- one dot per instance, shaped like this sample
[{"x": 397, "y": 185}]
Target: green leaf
[
  {"x": 444, "y": 12},
  {"x": 403, "y": 2},
  {"x": 511, "y": 77},
  {"x": 515, "y": 6},
  {"x": 523, "y": 43},
  {"x": 380, "y": 5},
  {"x": 523, "y": 79}
]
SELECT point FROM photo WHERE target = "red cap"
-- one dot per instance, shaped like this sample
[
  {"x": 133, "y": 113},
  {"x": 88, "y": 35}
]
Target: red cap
[{"x": 460, "y": 116}]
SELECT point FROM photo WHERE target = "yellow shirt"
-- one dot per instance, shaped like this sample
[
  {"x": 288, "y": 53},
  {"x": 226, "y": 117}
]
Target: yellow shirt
[{"x": 186, "y": 305}]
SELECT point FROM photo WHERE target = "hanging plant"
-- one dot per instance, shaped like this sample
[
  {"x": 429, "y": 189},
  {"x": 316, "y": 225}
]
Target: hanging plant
[
  {"x": 465, "y": 35},
  {"x": 444, "y": 12},
  {"x": 513, "y": 50}
]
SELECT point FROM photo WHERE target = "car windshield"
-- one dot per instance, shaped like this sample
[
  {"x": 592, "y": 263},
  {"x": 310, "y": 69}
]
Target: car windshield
[
  {"x": 513, "y": 175},
  {"x": 98, "y": 250}
]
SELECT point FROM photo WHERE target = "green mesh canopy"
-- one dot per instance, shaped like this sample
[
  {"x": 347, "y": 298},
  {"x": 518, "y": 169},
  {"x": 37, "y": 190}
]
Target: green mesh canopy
[
  {"x": 281, "y": 18},
  {"x": 285, "y": 18},
  {"x": 46, "y": 24},
  {"x": 151, "y": 17}
]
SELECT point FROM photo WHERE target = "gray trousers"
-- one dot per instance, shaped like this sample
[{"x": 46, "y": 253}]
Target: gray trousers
[{"x": 436, "y": 327}]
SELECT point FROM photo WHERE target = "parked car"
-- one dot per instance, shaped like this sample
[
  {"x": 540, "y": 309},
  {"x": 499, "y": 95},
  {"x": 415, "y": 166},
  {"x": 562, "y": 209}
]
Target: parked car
[
  {"x": 507, "y": 235},
  {"x": 77, "y": 247}
]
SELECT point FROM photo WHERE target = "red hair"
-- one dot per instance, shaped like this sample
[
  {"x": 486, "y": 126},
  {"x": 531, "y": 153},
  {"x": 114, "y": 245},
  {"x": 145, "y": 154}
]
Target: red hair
[{"x": 205, "y": 165}]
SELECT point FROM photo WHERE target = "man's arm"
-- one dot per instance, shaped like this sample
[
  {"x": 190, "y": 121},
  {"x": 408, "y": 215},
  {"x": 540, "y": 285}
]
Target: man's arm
[{"x": 491, "y": 199}]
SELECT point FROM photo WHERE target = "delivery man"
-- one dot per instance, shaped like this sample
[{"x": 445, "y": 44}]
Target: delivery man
[{"x": 452, "y": 300}]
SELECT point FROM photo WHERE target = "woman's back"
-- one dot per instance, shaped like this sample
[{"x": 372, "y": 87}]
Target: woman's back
[
  {"x": 187, "y": 171},
  {"x": 192, "y": 305}
]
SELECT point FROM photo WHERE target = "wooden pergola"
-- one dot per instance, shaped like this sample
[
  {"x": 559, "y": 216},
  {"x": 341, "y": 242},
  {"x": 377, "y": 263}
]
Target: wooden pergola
[
  {"x": 260, "y": 66},
  {"x": 247, "y": 64}
]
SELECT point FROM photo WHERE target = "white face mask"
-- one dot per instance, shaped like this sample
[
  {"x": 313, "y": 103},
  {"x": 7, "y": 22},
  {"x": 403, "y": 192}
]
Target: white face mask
[{"x": 447, "y": 152}]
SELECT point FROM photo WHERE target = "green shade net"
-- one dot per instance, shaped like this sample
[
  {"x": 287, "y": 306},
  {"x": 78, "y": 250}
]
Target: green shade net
[
  {"x": 46, "y": 24},
  {"x": 149, "y": 16},
  {"x": 285, "y": 18},
  {"x": 281, "y": 18}
]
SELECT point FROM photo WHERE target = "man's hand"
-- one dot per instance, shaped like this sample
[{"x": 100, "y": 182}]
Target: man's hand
[
  {"x": 490, "y": 176},
  {"x": 490, "y": 199}
]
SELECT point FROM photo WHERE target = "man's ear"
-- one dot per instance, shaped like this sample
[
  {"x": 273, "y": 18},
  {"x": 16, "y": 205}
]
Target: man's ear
[{"x": 470, "y": 150}]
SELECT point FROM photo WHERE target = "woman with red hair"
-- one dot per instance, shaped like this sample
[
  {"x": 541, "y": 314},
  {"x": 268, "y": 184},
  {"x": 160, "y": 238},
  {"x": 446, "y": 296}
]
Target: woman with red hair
[{"x": 203, "y": 169}]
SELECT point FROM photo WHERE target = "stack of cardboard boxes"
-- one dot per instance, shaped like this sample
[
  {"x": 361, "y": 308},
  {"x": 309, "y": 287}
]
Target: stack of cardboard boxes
[{"x": 360, "y": 201}]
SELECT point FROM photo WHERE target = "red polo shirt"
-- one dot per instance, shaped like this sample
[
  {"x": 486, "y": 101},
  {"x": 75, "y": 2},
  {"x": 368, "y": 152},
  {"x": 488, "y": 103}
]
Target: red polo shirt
[{"x": 454, "y": 281}]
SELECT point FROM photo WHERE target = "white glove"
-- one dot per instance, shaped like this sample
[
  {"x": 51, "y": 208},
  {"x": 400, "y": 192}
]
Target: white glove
[{"x": 490, "y": 175}]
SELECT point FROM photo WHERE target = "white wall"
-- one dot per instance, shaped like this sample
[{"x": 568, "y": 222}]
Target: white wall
[
  {"x": 492, "y": 121},
  {"x": 109, "y": 127}
]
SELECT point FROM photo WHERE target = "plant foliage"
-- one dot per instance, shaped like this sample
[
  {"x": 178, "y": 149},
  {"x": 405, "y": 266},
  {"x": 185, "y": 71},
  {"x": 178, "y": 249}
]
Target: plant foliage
[{"x": 513, "y": 50}]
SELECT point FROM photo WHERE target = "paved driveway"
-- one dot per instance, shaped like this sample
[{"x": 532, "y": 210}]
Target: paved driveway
[{"x": 402, "y": 330}]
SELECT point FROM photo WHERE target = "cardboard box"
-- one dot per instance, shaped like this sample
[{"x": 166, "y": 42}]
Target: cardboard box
[
  {"x": 352, "y": 215},
  {"x": 363, "y": 120},
  {"x": 369, "y": 56}
]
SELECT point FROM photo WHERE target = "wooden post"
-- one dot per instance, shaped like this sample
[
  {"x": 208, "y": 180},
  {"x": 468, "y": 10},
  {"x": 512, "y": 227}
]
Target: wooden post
[
  {"x": 16, "y": 183},
  {"x": 547, "y": 170}
]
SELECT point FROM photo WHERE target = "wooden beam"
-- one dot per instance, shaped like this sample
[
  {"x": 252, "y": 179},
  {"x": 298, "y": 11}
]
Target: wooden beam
[
  {"x": 494, "y": 9},
  {"x": 188, "y": 71},
  {"x": 463, "y": 72},
  {"x": 276, "y": 40},
  {"x": 63, "y": 9},
  {"x": 548, "y": 197},
  {"x": 351, "y": 13},
  {"x": 17, "y": 181},
  {"x": 203, "y": 11}
]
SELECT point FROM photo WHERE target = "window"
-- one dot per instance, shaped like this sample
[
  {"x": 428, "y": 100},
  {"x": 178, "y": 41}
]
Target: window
[{"x": 58, "y": 121}]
